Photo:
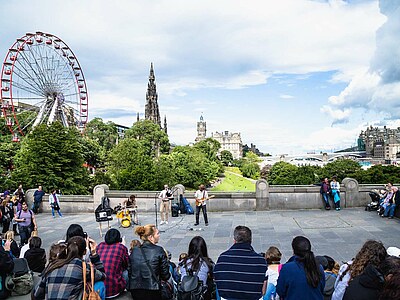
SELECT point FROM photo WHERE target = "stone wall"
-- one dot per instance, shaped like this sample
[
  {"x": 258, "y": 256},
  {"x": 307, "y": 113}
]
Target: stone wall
[{"x": 266, "y": 197}]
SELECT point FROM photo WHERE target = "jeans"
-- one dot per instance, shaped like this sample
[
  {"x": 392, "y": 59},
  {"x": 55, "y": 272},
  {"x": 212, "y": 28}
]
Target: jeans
[
  {"x": 204, "y": 209},
  {"x": 389, "y": 210},
  {"x": 100, "y": 288},
  {"x": 325, "y": 196},
  {"x": 52, "y": 212},
  {"x": 25, "y": 233}
]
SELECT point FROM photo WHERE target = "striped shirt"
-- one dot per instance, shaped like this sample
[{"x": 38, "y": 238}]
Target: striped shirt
[{"x": 240, "y": 273}]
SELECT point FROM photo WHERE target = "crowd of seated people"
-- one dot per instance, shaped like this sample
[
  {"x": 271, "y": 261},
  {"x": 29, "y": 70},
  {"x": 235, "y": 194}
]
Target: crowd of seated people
[{"x": 373, "y": 273}]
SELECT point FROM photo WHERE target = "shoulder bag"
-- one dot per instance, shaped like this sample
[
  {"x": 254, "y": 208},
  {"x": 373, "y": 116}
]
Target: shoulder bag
[
  {"x": 167, "y": 290},
  {"x": 88, "y": 289}
]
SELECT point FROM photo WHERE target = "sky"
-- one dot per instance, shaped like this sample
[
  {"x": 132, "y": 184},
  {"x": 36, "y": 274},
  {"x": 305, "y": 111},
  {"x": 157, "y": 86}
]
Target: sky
[{"x": 292, "y": 76}]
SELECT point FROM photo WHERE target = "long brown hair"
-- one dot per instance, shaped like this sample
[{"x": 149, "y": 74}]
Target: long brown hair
[
  {"x": 76, "y": 248},
  {"x": 372, "y": 252}
]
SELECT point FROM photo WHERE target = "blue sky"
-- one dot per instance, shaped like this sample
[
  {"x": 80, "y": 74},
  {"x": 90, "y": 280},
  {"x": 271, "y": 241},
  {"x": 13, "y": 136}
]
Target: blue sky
[{"x": 292, "y": 76}]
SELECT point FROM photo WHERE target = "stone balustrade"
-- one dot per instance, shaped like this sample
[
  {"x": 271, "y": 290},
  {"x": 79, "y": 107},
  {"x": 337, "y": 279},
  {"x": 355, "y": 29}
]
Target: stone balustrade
[{"x": 266, "y": 197}]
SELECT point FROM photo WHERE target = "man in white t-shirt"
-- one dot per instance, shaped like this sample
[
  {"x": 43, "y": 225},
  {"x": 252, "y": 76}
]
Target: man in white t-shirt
[{"x": 201, "y": 197}]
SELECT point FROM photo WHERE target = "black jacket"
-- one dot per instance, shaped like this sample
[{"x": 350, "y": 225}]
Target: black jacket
[
  {"x": 140, "y": 277},
  {"x": 36, "y": 258},
  {"x": 366, "y": 286},
  {"x": 6, "y": 267}
]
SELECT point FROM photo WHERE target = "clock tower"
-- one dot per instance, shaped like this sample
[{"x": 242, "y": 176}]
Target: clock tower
[{"x": 201, "y": 130}]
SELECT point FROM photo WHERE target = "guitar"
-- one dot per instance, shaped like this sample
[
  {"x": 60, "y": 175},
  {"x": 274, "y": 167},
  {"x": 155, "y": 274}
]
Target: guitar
[{"x": 200, "y": 202}]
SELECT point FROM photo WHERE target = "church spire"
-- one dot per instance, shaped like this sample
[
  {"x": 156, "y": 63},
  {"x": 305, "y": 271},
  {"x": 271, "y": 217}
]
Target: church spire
[{"x": 151, "y": 108}]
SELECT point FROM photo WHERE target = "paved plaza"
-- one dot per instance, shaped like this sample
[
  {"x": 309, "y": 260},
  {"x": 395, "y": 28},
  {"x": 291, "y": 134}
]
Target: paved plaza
[{"x": 337, "y": 234}]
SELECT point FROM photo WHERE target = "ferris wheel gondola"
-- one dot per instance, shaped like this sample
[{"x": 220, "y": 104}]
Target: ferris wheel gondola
[{"x": 41, "y": 82}]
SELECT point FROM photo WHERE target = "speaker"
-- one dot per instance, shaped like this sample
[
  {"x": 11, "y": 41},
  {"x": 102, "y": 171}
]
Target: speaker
[{"x": 175, "y": 210}]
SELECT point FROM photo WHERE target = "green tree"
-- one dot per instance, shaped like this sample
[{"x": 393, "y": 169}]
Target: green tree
[
  {"x": 52, "y": 156},
  {"x": 249, "y": 166},
  {"x": 132, "y": 166},
  {"x": 379, "y": 174},
  {"x": 209, "y": 147},
  {"x": 151, "y": 135},
  {"x": 342, "y": 168},
  {"x": 282, "y": 173},
  {"x": 226, "y": 158},
  {"x": 105, "y": 134}
]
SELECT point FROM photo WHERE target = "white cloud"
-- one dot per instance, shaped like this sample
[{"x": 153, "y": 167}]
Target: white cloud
[
  {"x": 377, "y": 89},
  {"x": 284, "y": 96}
]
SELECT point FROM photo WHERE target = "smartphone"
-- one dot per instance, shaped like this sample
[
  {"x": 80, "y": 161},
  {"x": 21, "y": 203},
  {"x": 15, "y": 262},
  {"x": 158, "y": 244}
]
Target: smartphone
[{"x": 85, "y": 235}]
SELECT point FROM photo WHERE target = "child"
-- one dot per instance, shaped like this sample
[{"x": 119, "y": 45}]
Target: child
[{"x": 273, "y": 257}]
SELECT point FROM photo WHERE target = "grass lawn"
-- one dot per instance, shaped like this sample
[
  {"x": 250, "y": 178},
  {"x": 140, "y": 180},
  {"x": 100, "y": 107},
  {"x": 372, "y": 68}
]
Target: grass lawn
[{"x": 235, "y": 183}]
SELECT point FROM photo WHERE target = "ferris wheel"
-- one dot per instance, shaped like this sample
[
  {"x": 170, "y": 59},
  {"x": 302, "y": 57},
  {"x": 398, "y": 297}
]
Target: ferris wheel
[{"x": 42, "y": 82}]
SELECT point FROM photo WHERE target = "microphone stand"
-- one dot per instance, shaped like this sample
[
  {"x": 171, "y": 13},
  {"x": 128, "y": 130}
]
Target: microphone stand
[{"x": 155, "y": 208}]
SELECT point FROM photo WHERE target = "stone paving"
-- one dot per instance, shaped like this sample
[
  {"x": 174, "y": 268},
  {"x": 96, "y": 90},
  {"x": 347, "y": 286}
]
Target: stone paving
[{"x": 338, "y": 234}]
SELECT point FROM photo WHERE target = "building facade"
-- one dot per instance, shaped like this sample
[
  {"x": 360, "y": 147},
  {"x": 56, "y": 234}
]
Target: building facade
[
  {"x": 231, "y": 142},
  {"x": 381, "y": 143}
]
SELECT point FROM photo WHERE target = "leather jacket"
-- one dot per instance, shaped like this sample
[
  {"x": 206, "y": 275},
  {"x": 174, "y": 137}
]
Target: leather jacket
[{"x": 140, "y": 277}]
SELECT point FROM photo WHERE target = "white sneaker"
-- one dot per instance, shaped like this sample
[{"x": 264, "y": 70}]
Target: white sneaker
[
  {"x": 162, "y": 222},
  {"x": 166, "y": 222}
]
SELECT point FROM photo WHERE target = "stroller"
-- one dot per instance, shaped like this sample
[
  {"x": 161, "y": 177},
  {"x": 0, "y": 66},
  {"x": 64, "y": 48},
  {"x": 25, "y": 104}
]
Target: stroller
[{"x": 374, "y": 205}]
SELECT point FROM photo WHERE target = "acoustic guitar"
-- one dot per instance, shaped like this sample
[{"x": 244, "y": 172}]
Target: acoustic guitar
[{"x": 200, "y": 202}]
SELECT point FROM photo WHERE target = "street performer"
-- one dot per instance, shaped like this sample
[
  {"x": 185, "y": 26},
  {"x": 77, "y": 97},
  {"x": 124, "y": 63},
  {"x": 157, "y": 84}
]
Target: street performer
[
  {"x": 165, "y": 205},
  {"x": 130, "y": 205},
  {"x": 201, "y": 197}
]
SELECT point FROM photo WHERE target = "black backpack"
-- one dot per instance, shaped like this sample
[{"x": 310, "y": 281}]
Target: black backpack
[
  {"x": 191, "y": 287},
  {"x": 21, "y": 280}
]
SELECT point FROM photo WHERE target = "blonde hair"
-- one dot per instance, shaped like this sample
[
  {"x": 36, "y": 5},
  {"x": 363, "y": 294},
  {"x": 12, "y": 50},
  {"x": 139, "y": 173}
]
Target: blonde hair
[
  {"x": 144, "y": 232},
  {"x": 9, "y": 235},
  {"x": 4, "y": 202}
]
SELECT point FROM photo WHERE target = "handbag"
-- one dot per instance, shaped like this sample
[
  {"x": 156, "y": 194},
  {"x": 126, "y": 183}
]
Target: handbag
[
  {"x": 88, "y": 289},
  {"x": 167, "y": 290}
]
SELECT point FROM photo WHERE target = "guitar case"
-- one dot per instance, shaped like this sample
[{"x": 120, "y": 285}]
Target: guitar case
[{"x": 188, "y": 207}]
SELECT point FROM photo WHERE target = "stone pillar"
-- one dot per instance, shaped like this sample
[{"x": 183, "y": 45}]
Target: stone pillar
[
  {"x": 99, "y": 191},
  {"x": 262, "y": 195},
  {"x": 29, "y": 197},
  {"x": 351, "y": 197}
]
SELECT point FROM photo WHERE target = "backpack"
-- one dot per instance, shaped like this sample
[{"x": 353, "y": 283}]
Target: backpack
[
  {"x": 21, "y": 280},
  {"x": 190, "y": 287}
]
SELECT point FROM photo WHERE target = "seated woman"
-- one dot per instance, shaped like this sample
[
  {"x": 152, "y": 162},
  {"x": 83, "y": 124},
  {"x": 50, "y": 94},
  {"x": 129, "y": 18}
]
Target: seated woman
[
  {"x": 14, "y": 249},
  {"x": 114, "y": 256},
  {"x": 35, "y": 255},
  {"x": 148, "y": 265},
  {"x": 63, "y": 277},
  {"x": 301, "y": 278},
  {"x": 199, "y": 263}
]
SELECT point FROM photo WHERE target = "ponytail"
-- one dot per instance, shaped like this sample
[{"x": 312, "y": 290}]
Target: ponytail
[
  {"x": 302, "y": 249},
  {"x": 313, "y": 274}
]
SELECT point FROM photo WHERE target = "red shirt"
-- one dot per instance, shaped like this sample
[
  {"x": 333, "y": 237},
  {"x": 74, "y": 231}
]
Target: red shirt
[{"x": 115, "y": 260}]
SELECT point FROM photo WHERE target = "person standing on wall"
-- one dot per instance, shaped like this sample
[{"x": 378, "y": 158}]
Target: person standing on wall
[
  {"x": 165, "y": 197},
  {"x": 201, "y": 197},
  {"x": 37, "y": 199},
  {"x": 54, "y": 201}
]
